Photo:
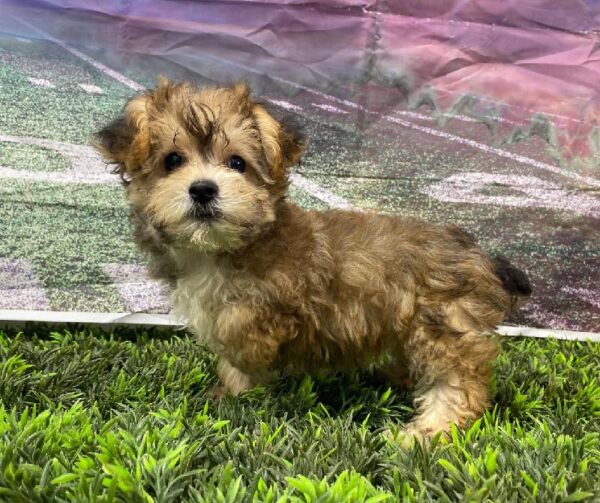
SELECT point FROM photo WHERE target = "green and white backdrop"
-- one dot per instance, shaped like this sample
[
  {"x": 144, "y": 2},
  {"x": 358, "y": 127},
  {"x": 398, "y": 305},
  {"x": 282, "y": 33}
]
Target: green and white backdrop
[{"x": 64, "y": 236}]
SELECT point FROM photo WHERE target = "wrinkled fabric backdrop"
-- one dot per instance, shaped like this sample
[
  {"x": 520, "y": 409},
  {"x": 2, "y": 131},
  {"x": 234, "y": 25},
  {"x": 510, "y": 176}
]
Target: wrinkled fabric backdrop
[{"x": 479, "y": 113}]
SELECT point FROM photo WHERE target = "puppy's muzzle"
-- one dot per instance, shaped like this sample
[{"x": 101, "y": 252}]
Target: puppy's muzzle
[
  {"x": 203, "y": 192},
  {"x": 204, "y": 196}
]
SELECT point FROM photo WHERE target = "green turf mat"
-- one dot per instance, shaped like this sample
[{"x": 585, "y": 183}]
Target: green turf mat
[{"x": 128, "y": 417}]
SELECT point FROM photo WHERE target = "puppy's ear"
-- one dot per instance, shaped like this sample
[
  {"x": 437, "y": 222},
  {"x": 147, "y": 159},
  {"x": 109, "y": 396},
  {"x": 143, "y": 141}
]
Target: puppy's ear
[
  {"x": 241, "y": 91},
  {"x": 293, "y": 143},
  {"x": 126, "y": 141},
  {"x": 283, "y": 145}
]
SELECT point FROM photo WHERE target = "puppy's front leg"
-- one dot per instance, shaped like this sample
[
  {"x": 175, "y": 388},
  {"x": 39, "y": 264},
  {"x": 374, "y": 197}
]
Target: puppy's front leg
[{"x": 249, "y": 348}]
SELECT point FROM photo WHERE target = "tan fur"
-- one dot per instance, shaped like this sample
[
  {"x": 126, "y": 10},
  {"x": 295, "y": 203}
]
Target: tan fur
[{"x": 272, "y": 287}]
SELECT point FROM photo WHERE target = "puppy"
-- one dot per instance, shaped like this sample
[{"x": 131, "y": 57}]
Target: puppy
[{"x": 269, "y": 286}]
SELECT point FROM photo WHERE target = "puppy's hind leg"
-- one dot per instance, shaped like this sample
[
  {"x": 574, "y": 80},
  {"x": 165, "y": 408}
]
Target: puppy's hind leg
[{"x": 452, "y": 375}]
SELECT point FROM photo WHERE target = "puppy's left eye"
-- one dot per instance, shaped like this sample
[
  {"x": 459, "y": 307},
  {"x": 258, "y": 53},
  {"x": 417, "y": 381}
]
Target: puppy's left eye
[
  {"x": 173, "y": 161},
  {"x": 237, "y": 163}
]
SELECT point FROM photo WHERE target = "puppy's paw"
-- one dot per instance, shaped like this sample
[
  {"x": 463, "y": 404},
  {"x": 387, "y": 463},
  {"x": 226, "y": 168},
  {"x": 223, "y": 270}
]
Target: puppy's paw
[
  {"x": 410, "y": 436},
  {"x": 406, "y": 437},
  {"x": 217, "y": 392}
]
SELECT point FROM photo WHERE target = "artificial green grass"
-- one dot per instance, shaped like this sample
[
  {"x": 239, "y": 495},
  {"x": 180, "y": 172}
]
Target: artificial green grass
[{"x": 128, "y": 417}]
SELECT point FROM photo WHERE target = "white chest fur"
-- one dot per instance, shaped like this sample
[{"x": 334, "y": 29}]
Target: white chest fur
[{"x": 198, "y": 294}]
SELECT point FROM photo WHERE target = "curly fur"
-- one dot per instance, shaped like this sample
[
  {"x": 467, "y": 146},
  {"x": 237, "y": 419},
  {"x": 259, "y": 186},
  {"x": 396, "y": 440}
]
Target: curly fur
[{"x": 270, "y": 287}]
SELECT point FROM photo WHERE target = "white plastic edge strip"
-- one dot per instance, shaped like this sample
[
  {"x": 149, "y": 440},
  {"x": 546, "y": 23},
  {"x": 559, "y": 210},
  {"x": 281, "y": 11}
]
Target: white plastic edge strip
[
  {"x": 18, "y": 317},
  {"x": 10, "y": 316}
]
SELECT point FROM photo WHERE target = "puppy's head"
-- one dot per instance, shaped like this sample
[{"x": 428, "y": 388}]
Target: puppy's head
[{"x": 205, "y": 167}]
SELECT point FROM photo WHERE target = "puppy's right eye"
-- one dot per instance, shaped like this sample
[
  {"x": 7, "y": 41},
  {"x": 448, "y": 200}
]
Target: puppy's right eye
[{"x": 173, "y": 161}]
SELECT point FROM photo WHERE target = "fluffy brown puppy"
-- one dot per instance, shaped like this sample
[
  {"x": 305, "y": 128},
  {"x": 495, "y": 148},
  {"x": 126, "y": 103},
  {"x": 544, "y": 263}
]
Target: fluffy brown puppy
[{"x": 270, "y": 286}]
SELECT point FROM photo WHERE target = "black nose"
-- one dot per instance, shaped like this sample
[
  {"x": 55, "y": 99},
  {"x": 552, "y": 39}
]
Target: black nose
[{"x": 203, "y": 192}]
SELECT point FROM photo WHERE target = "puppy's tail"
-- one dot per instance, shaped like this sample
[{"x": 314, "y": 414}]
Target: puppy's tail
[{"x": 514, "y": 281}]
